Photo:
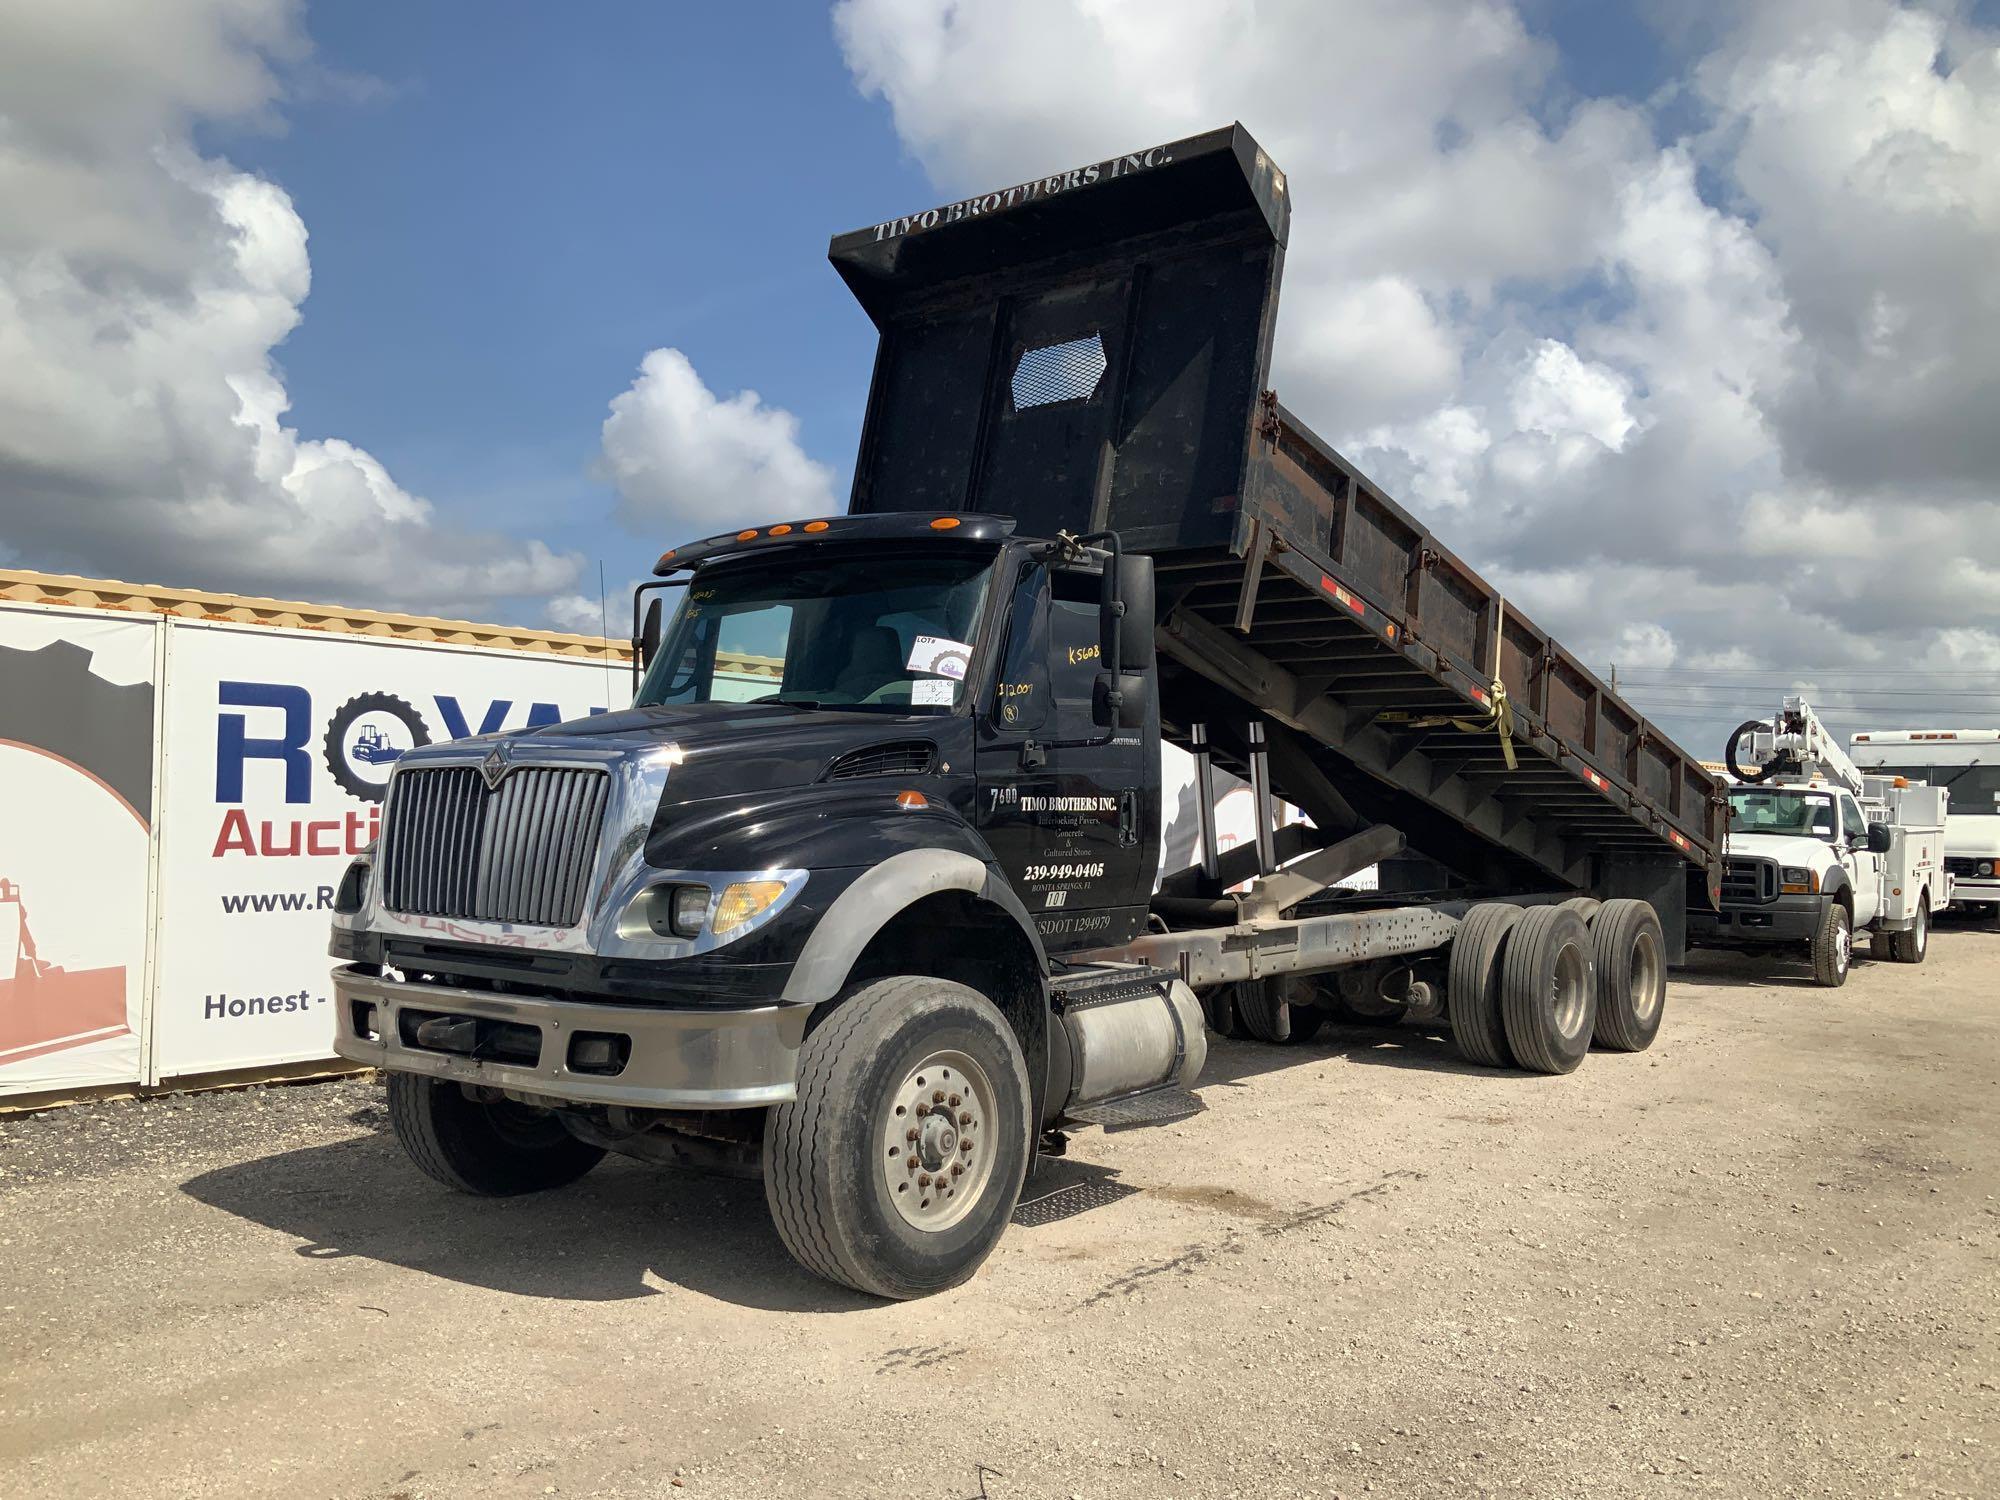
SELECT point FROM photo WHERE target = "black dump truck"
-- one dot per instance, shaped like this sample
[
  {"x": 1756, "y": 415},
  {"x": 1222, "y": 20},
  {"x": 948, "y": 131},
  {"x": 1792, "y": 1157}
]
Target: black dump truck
[{"x": 862, "y": 894}]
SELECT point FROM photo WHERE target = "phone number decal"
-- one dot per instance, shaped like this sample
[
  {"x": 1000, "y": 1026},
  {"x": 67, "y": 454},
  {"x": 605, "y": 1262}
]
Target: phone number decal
[{"x": 1066, "y": 872}]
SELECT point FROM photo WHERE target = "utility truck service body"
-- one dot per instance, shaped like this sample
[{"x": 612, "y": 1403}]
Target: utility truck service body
[
  {"x": 881, "y": 931},
  {"x": 1965, "y": 763},
  {"x": 1819, "y": 852}
]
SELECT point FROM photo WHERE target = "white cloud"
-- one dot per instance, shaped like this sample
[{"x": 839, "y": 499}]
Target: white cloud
[
  {"x": 144, "y": 288},
  {"x": 682, "y": 458},
  {"x": 1702, "y": 397}
]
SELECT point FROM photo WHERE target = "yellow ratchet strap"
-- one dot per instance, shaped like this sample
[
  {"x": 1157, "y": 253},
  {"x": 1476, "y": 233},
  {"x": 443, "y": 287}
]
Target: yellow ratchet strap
[{"x": 1499, "y": 717}]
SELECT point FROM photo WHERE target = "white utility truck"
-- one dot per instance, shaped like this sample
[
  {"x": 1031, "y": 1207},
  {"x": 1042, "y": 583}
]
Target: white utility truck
[
  {"x": 1966, "y": 764},
  {"x": 1818, "y": 852}
]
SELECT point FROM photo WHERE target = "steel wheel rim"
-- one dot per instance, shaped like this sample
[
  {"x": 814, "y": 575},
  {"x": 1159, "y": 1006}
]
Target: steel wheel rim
[
  {"x": 1647, "y": 977},
  {"x": 1843, "y": 942},
  {"x": 1923, "y": 927},
  {"x": 936, "y": 1149},
  {"x": 1569, "y": 990}
]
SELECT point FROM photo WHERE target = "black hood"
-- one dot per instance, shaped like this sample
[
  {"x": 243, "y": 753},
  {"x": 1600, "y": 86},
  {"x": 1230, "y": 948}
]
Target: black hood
[{"x": 744, "y": 747}]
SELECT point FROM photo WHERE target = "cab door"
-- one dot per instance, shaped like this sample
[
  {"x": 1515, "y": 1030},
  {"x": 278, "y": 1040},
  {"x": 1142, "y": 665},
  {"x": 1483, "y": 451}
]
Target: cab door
[
  {"x": 1863, "y": 868},
  {"x": 1062, "y": 801}
]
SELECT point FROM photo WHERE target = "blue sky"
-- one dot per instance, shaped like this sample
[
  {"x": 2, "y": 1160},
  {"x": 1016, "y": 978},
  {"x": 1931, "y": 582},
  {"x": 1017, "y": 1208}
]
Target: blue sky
[{"x": 505, "y": 218}]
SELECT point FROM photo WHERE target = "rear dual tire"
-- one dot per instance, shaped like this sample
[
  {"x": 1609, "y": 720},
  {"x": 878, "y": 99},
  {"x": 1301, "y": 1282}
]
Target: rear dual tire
[
  {"x": 1631, "y": 975},
  {"x": 1537, "y": 986},
  {"x": 1548, "y": 990}
]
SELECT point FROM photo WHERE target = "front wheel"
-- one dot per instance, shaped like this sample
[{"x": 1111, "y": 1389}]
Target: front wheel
[
  {"x": 896, "y": 1168},
  {"x": 1833, "y": 946},
  {"x": 493, "y": 1150}
]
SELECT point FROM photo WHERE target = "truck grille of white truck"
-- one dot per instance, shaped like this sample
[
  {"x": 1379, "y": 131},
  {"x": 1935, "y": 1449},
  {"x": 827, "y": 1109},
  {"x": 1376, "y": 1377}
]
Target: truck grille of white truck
[
  {"x": 1748, "y": 882},
  {"x": 519, "y": 852}
]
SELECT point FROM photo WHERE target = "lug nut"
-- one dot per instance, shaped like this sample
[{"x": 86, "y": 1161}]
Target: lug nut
[
  {"x": 957, "y": 1169},
  {"x": 924, "y": 1179},
  {"x": 922, "y": 1110},
  {"x": 954, "y": 1101},
  {"x": 937, "y": 1096},
  {"x": 965, "y": 1146},
  {"x": 910, "y": 1134},
  {"x": 965, "y": 1117}
]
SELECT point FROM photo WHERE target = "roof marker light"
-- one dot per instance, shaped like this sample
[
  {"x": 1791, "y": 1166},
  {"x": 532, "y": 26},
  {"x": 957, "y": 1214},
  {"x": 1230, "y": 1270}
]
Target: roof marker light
[
  {"x": 944, "y": 523},
  {"x": 779, "y": 531},
  {"x": 746, "y": 536},
  {"x": 815, "y": 526}
]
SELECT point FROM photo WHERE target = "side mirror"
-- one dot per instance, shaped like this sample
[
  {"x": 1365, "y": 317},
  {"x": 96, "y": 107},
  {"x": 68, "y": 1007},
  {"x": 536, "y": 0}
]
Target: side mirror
[
  {"x": 1127, "y": 710},
  {"x": 648, "y": 645},
  {"x": 1135, "y": 640},
  {"x": 1879, "y": 838}
]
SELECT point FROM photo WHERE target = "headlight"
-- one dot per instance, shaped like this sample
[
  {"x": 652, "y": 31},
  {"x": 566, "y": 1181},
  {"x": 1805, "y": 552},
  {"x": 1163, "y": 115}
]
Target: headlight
[
  {"x": 352, "y": 894},
  {"x": 1797, "y": 880},
  {"x": 690, "y": 907},
  {"x": 745, "y": 901},
  {"x": 668, "y": 911},
  {"x": 1986, "y": 867}
]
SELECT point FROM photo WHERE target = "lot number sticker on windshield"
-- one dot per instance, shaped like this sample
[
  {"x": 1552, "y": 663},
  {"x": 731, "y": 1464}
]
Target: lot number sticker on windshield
[
  {"x": 933, "y": 692},
  {"x": 940, "y": 656}
]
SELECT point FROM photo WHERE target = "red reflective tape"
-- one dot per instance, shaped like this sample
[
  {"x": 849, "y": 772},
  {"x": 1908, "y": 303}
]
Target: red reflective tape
[
  {"x": 1677, "y": 838},
  {"x": 1478, "y": 695},
  {"x": 1342, "y": 595},
  {"x": 1595, "y": 780}
]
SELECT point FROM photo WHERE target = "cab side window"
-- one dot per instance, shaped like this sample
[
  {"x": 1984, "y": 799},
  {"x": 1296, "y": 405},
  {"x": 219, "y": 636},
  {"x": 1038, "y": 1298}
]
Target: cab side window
[
  {"x": 1021, "y": 692},
  {"x": 1074, "y": 651},
  {"x": 1853, "y": 822}
]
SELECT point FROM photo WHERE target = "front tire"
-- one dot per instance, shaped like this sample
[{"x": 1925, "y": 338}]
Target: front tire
[
  {"x": 898, "y": 1165},
  {"x": 1833, "y": 946},
  {"x": 498, "y": 1150}
]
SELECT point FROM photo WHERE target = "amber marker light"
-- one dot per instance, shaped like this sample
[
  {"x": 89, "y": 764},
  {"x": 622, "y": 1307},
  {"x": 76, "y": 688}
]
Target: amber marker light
[
  {"x": 779, "y": 531},
  {"x": 944, "y": 523},
  {"x": 815, "y": 526},
  {"x": 746, "y": 536},
  {"x": 912, "y": 801}
]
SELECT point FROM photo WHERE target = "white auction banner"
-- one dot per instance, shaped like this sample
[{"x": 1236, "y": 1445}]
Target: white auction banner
[
  {"x": 278, "y": 745},
  {"x": 78, "y": 707}
]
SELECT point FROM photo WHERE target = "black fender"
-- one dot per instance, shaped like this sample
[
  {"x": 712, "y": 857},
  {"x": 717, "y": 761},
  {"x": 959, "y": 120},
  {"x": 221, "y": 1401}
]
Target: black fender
[{"x": 877, "y": 896}]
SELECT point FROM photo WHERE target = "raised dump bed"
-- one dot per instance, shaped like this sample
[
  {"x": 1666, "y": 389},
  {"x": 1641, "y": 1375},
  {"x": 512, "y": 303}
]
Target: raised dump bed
[{"x": 1090, "y": 351}]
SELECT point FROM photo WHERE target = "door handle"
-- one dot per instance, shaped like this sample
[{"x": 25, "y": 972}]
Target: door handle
[{"x": 1128, "y": 818}]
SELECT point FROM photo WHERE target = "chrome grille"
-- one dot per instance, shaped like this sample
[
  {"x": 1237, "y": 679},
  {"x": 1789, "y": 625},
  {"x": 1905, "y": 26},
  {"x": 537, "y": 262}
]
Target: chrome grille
[
  {"x": 1749, "y": 882},
  {"x": 521, "y": 852}
]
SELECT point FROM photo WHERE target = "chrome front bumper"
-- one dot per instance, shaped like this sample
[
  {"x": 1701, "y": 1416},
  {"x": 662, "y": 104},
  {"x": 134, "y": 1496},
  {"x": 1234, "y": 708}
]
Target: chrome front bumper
[{"x": 679, "y": 1059}]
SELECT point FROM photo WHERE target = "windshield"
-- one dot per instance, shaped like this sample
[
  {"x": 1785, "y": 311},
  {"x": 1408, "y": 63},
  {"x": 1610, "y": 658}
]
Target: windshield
[
  {"x": 1800, "y": 814},
  {"x": 872, "y": 631},
  {"x": 1975, "y": 785}
]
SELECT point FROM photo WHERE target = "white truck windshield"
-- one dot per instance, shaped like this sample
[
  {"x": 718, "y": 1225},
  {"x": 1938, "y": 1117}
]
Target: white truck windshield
[
  {"x": 861, "y": 631},
  {"x": 1790, "y": 813}
]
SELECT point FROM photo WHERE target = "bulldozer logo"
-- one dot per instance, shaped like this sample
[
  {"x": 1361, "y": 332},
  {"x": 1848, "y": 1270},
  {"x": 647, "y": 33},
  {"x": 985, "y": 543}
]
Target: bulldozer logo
[{"x": 365, "y": 738}]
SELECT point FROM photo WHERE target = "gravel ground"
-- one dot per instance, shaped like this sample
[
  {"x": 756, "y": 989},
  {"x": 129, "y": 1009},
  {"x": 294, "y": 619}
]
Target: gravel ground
[{"x": 1758, "y": 1260}]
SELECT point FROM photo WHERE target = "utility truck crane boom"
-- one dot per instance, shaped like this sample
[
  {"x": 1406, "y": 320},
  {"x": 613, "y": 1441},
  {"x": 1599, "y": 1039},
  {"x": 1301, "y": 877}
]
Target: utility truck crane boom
[{"x": 1792, "y": 748}]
